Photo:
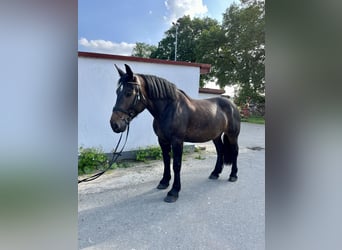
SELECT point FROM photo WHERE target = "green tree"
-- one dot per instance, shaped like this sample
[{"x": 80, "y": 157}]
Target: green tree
[
  {"x": 143, "y": 50},
  {"x": 189, "y": 45},
  {"x": 235, "y": 49},
  {"x": 242, "y": 53},
  {"x": 208, "y": 49},
  {"x": 188, "y": 36}
]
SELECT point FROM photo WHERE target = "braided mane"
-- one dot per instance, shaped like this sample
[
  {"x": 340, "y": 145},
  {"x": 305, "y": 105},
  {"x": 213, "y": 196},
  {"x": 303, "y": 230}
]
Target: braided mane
[{"x": 159, "y": 88}]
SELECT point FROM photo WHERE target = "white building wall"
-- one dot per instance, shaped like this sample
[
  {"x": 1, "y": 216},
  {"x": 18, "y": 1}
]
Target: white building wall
[{"x": 97, "y": 82}]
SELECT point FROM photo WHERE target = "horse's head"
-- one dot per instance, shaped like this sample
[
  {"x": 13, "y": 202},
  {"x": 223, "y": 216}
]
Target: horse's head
[{"x": 129, "y": 101}]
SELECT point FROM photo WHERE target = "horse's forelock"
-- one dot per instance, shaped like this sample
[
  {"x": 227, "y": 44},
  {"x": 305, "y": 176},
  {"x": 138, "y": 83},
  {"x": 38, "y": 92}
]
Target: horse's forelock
[{"x": 126, "y": 79}]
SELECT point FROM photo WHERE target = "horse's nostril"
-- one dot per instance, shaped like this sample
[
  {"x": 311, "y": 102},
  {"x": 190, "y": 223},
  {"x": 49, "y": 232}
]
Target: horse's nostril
[{"x": 114, "y": 126}]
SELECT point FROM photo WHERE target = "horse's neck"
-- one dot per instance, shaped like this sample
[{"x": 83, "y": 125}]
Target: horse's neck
[{"x": 157, "y": 107}]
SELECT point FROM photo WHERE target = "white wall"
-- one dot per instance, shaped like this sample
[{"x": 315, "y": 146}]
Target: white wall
[{"x": 97, "y": 82}]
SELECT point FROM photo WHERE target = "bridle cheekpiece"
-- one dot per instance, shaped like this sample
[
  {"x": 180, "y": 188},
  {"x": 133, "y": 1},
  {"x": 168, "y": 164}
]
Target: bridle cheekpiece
[{"x": 131, "y": 112}]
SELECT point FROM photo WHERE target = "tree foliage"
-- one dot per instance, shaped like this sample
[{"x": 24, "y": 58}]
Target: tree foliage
[
  {"x": 242, "y": 56},
  {"x": 235, "y": 49},
  {"x": 190, "y": 47},
  {"x": 188, "y": 35},
  {"x": 143, "y": 50}
]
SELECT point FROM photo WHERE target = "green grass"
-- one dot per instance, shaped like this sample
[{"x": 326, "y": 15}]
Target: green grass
[
  {"x": 254, "y": 119},
  {"x": 149, "y": 153},
  {"x": 92, "y": 160},
  {"x": 199, "y": 157}
]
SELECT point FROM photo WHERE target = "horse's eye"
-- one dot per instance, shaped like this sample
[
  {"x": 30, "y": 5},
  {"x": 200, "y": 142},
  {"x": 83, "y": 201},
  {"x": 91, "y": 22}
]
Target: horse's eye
[{"x": 128, "y": 94}]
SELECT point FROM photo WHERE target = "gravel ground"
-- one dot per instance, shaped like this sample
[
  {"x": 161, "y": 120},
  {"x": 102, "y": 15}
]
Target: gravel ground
[{"x": 124, "y": 210}]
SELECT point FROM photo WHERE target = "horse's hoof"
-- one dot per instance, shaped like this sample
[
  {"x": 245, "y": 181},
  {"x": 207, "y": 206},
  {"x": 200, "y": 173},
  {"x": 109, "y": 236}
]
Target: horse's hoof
[
  {"x": 232, "y": 178},
  {"x": 170, "y": 198},
  {"x": 213, "y": 177},
  {"x": 162, "y": 186}
]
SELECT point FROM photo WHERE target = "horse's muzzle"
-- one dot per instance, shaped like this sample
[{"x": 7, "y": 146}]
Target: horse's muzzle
[{"x": 118, "y": 127}]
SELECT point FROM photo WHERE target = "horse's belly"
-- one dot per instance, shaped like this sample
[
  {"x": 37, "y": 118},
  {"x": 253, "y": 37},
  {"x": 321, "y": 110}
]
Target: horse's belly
[
  {"x": 202, "y": 135},
  {"x": 206, "y": 125}
]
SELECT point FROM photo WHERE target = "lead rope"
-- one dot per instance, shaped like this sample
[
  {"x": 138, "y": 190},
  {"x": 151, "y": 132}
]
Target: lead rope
[{"x": 115, "y": 156}]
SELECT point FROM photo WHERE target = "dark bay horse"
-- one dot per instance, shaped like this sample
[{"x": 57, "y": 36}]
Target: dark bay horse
[{"x": 178, "y": 118}]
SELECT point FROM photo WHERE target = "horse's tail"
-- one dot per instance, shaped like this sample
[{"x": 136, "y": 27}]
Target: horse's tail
[{"x": 230, "y": 150}]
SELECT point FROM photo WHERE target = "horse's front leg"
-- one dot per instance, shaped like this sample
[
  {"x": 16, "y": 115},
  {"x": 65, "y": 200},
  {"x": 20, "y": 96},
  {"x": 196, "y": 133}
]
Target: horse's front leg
[
  {"x": 177, "y": 149},
  {"x": 166, "y": 150}
]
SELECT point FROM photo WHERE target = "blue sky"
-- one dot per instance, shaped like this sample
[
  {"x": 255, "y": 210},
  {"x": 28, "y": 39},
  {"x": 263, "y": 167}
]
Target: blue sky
[{"x": 113, "y": 26}]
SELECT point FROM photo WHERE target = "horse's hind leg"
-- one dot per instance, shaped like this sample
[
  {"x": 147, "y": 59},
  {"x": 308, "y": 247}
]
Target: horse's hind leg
[
  {"x": 233, "y": 174},
  {"x": 231, "y": 151},
  {"x": 219, "y": 162}
]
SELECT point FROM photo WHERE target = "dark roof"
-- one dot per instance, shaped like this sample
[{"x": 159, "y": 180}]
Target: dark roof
[
  {"x": 211, "y": 91},
  {"x": 204, "y": 68}
]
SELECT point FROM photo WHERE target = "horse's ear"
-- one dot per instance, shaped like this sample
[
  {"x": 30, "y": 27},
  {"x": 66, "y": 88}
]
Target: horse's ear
[
  {"x": 129, "y": 71},
  {"x": 121, "y": 73}
]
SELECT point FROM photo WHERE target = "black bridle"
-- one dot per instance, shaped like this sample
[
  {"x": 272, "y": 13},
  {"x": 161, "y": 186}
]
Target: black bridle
[
  {"x": 131, "y": 112},
  {"x": 115, "y": 156}
]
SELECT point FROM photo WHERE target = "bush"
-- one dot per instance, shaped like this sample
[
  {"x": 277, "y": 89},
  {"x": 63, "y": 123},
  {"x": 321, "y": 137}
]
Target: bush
[
  {"x": 91, "y": 159},
  {"x": 151, "y": 153}
]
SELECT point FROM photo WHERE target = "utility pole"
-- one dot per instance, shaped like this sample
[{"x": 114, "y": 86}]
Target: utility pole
[{"x": 177, "y": 25}]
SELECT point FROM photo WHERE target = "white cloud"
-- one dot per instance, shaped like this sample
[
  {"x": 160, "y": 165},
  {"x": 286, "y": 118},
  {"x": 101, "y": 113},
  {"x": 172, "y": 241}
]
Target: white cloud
[
  {"x": 108, "y": 47},
  {"x": 179, "y": 8}
]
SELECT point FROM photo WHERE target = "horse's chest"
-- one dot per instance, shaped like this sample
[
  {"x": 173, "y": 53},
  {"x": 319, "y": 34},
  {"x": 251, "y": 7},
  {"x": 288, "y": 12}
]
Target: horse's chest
[{"x": 169, "y": 128}]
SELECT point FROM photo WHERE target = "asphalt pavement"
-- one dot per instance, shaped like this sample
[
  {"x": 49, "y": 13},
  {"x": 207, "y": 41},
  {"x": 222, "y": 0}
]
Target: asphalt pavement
[{"x": 124, "y": 210}]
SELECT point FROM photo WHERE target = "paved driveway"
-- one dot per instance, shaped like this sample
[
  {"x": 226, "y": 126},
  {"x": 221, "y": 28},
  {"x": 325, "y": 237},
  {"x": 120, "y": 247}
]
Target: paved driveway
[{"x": 124, "y": 210}]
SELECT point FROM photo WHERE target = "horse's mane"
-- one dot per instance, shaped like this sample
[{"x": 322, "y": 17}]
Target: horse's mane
[{"x": 159, "y": 88}]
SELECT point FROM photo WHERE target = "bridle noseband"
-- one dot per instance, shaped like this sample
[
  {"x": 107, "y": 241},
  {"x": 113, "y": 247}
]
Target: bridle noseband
[{"x": 131, "y": 112}]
